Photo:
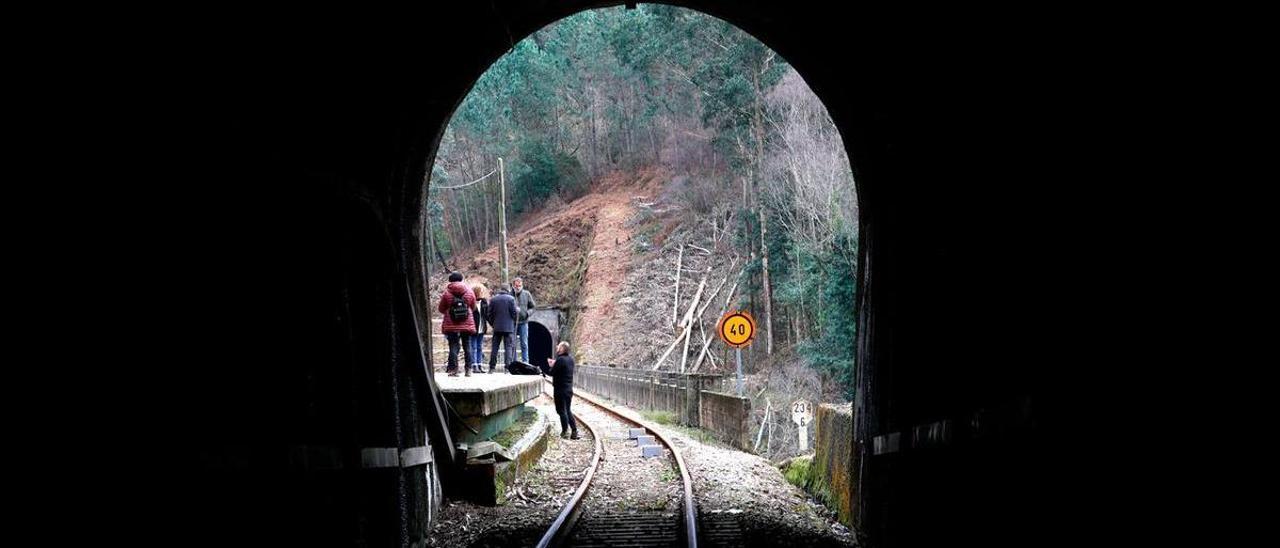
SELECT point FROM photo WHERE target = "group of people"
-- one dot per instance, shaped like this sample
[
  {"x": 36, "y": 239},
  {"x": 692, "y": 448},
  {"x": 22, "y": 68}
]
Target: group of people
[{"x": 470, "y": 312}]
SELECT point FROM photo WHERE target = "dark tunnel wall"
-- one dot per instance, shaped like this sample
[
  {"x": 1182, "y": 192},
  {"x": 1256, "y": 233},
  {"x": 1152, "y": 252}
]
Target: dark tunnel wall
[
  {"x": 540, "y": 343},
  {"x": 294, "y": 358}
]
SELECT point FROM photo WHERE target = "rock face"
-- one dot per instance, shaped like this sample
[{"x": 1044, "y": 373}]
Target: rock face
[{"x": 832, "y": 469}]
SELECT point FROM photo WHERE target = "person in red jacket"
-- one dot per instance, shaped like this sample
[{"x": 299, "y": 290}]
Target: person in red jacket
[{"x": 456, "y": 304}]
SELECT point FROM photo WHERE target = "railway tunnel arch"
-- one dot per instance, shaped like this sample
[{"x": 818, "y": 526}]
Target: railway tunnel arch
[
  {"x": 543, "y": 337},
  {"x": 544, "y": 334},
  {"x": 541, "y": 344},
  {"x": 357, "y": 122}
]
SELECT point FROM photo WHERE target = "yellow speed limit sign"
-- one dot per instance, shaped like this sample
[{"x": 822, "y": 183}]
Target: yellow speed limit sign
[{"x": 737, "y": 329}]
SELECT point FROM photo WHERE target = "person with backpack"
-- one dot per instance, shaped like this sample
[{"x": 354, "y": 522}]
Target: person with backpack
[
  {"x": 525, "y": 305},
  {"x": 480, "y": 313},
  {"x": 458, "y": 326},
  {"x": 502, "y": 316}
]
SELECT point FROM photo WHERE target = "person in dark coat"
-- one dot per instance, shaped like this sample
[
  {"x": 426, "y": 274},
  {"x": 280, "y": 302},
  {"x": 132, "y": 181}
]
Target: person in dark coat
[
  {"x": 455, "y": 329},
  {"x": 561, "y": 371},
  {"x": 502, "y": 316}
]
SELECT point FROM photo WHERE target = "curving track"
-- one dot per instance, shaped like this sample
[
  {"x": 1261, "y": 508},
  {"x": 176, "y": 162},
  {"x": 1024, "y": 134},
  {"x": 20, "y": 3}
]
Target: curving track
[{"x": 604, "y": 528}]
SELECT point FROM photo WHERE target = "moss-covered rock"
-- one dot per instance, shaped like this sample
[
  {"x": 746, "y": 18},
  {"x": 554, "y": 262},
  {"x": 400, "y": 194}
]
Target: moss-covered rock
[
  {"x": 797, "y": 470},
  {"x": 508, "y": 437}
]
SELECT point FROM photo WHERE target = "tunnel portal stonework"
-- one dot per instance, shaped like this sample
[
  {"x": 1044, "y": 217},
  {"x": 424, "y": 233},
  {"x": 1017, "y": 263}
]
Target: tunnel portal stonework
[
  {"x": 544, "y": 333},
  {"x": 313, "y": 315}
]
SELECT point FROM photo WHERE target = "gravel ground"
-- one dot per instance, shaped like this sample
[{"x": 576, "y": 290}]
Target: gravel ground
[
  {"x": 730, "y": 482},
  {"x": 626, "y": 481},
  {"x": 727, "y": 484},
  {"x": 769, "y": 509},
  {"x": 534, "y": 499}
]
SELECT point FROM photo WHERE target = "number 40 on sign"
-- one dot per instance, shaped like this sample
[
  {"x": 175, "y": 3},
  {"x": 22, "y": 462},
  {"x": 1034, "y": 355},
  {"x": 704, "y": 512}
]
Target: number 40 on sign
[{"x": 737, "y": 329}]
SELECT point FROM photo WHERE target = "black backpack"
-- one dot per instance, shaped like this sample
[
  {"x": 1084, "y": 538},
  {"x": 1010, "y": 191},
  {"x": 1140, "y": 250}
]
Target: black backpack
[
  {"x": 458, "y": 311},
  {"x": 522, "y": 368}
]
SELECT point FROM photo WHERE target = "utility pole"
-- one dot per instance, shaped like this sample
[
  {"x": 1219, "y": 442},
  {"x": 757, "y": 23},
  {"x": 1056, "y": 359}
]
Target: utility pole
[
  {"x": 431, "y": 244},
  {"x": 768, "y": 292},
  {"x": 502, "y": 220}
]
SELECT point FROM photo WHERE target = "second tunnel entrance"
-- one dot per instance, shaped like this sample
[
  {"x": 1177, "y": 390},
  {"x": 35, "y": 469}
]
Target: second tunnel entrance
[
  {"x": 541, "y": 345},
  {"x": 544, "y": 334}
]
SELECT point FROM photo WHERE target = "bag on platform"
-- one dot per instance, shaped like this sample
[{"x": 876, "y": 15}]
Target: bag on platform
[{"x": 522, "y": 368}]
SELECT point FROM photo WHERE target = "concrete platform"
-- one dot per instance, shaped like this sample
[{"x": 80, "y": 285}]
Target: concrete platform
[
  {"x": 528, "y": 451},
  {"x": 487, "y": 403},
  {"x": 484, "y": 394},
  {"x": 490, "y": 405},
  {"x": 485, "y": 480}
]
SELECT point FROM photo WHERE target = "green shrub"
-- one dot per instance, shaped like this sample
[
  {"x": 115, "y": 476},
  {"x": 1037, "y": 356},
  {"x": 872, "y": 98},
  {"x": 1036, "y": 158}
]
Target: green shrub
[
  {"x": 660, "y": 417},
  {"x": 798, "y": 471}
]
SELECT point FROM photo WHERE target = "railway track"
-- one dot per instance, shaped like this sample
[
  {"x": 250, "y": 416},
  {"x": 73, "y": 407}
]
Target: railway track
[{"x": 601, "y": 527}]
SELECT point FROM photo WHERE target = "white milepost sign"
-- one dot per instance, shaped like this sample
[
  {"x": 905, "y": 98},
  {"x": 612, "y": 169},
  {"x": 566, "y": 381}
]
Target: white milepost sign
[{"x": 801, "y": 414}]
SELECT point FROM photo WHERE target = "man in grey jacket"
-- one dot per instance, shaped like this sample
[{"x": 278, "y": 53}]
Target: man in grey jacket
[
  {"x": 502, "y": 316},
  {"x": 525, "y": 304}
]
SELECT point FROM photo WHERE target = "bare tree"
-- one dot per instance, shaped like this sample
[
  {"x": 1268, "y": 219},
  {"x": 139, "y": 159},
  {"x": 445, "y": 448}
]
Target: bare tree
[{"x": 809, "y": 181}]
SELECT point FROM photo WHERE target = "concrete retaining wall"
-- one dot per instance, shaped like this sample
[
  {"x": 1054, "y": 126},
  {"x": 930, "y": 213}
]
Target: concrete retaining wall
[
  {"x": 485, "y": 481},
  {"x": 644, "y": 390},
  {"x": 528, "y": 450},
  {"x": 727, "y": 415},
  {"x": 685, "y": 395},
  {"x": 832, "y": 476}
]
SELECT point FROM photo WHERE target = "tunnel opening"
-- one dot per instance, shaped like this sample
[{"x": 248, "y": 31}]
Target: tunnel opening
[
  {"x": 541, "y": 344},
  {"x": 626, "y": 91},
  {"x": 694, "y": 114},
  {"x": 956, "y": 320}
]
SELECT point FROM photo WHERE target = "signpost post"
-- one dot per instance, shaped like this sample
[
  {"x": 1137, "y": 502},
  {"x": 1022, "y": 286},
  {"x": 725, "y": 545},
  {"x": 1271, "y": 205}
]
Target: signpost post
[
  {"x": 737, "y": 329},
  {"x": 502, "y": 220},
  {"x": 801, "y": 414}
]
